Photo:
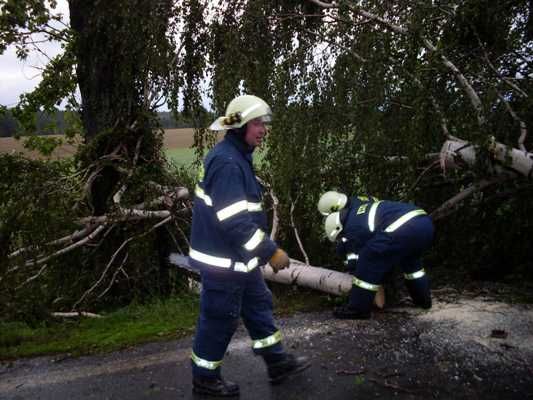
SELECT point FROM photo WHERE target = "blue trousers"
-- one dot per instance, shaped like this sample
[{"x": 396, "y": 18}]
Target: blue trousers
[
  {"x": 403, "y": 248},
  {"x": 226, "y": 297}
]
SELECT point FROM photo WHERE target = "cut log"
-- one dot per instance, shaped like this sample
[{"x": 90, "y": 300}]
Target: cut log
[
  {"x": 300, "y": 274},
  {"x": 318, "y": 278}
]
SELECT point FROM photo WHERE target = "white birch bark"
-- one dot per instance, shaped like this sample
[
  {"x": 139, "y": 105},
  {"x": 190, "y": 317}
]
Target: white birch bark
[
  {"x": 318, "y": 278},
  {"x": 453, "y": 152},
  {"x": 322, "y": 279}
]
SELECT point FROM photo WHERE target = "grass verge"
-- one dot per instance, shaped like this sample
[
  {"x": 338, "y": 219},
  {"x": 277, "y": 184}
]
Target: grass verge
[{"x": 135, "y": 324}]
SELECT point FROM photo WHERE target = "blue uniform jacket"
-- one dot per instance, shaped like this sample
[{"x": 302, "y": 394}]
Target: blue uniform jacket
[
  {"x": 229, "y": 226},
  {"x": 363, "y": 218}
]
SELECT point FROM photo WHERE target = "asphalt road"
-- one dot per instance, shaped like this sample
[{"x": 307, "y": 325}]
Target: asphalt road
[{"x": 402, "y": 354}]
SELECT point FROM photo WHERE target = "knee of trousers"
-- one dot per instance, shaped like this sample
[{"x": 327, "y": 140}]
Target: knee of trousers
[{"x": 361, "y": 299}]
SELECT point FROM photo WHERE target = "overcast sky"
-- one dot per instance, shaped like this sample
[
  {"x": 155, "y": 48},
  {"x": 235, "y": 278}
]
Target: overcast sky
[{"x": 17, "y": 77}]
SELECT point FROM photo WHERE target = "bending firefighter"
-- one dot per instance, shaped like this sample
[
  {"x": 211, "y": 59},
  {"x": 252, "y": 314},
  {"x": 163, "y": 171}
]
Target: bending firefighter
[
  {"x": 374, "y": 236},
  {"x": 229, "y": 242}
]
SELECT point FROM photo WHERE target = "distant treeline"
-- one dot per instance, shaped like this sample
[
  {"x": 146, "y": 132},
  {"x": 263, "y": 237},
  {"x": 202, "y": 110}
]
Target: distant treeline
[{"x": 58, "y": 123}]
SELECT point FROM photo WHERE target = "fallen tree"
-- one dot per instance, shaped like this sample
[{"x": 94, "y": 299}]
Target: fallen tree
[
  {"x": 456, "y": 153},
  {"x": 298, "y": 273}
]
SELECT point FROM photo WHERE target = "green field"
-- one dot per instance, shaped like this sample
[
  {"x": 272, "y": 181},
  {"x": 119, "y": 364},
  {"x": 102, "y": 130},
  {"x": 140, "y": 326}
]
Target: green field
[
  {"x": 185, "y": 156},
  {"x": 180, "y": 157}
]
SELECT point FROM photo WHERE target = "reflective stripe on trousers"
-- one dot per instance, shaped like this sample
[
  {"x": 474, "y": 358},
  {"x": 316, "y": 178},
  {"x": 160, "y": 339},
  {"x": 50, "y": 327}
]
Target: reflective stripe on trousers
[
  {"x": 415, "y": 275},
  {"x": 268, "y": 341},
  {"x": 205, "y": 363},
  {"x": 365, "y": 285}
]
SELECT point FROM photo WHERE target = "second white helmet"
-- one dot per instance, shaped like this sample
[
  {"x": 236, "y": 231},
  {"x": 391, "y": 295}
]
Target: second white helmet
[
  {"x": 331, "y": 201},
  {"x": 333, "y": 225}
]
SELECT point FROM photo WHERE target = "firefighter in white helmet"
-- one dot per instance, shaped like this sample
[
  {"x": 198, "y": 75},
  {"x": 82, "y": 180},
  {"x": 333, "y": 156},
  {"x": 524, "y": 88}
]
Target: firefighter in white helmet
[
  {"x": 229, "y": 242},
  {"x": 374, "y": 236}
]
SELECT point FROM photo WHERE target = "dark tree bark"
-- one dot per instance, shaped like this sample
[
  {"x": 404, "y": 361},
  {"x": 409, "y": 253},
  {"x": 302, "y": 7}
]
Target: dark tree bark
[
  {"x": 116, "y": 43},
  {"x": 106, "y": 77}
]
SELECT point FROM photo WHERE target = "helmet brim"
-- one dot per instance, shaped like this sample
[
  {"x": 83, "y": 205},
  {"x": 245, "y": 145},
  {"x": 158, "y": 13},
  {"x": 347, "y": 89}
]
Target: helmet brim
[
  {"x": 218, "y": 125},
  {"x": 343, "y": 200}
]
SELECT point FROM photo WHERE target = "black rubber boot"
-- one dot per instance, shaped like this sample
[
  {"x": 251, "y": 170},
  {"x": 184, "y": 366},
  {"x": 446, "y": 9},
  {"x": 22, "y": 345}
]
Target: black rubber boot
[
  {"x": 290, "y": 365},
  {"x": 346, "y": 312},
  {"x": 419, "y": 291},
  {"x": 215, "y": 387}
]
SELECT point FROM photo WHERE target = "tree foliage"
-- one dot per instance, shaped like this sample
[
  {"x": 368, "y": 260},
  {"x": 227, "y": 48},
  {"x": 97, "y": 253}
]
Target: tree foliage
[
  {"x": 364, "y": 94},
  {"x": 121, "y": 56}
]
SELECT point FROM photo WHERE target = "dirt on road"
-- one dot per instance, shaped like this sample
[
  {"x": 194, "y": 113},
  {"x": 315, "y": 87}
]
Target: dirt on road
[{"x": 465, "y": 347}]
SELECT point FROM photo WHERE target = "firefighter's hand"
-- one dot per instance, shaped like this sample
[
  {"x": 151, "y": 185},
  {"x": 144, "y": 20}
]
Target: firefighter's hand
[
  {"x": 379, "y": 299},
  {"x": 279, "y": 260}
]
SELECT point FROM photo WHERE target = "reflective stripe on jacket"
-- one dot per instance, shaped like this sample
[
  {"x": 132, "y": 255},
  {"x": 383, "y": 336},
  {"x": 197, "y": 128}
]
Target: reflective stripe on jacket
[
  {"x": 229, "y": 227},
  {"x": 365, "y": 216}
]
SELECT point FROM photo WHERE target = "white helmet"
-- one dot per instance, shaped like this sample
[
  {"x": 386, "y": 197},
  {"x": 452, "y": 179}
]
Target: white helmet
[
  {"x": 331, "y": 201},
  {"x": 333, "y": 225},
  {"x": 240, "y": 110}
]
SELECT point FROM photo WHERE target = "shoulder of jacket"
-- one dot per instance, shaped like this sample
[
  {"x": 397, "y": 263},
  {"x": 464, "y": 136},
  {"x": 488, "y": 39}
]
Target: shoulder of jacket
[{"x": 221, "y": 162}]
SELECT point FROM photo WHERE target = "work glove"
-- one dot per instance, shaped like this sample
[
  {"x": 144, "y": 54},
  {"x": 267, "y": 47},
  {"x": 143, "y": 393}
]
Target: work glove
[{"x": 279, "y": 260}]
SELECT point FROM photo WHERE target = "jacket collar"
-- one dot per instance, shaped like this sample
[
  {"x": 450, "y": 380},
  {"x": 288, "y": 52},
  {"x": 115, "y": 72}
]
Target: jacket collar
[{"x": 237, "y": 140}]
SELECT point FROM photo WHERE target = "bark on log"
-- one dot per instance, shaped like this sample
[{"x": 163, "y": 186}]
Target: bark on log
[
  {"x": 453, "y": 152},
  {"x": 322, "y": 279}
]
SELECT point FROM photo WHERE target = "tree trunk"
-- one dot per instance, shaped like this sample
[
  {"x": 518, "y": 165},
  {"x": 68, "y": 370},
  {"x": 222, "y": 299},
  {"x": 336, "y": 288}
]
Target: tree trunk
[
  {"x": 113, "y": 44},
  {"x": 106, "y": 79},
  {"x": 318, "y": 278},
  {"x": 455, "y": 152},
  {"x": 298, "y": 273}
]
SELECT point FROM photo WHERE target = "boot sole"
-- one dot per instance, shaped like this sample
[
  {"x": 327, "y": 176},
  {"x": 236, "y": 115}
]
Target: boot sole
[
  {"x": 208, "y": 392},
  {"x": 280, "y": 379}
]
